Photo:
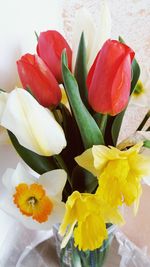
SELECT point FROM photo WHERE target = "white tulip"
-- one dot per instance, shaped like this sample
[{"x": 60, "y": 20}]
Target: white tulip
[
  {"x": 34, "y": 126},
  {"x": 83, "y": 23},
  {"x": 94, "y": 37},
  {"x": 51, "y": 182}
]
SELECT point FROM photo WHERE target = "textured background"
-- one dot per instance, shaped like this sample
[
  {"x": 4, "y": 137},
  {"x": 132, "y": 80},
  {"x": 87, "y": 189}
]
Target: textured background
[{"x": 130, "y": 19}]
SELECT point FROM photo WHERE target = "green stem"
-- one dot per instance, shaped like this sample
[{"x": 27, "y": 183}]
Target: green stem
[
  {"x": 57, "y": 117},
  {"x": 62, "y": 165},
  {"x": 103, "y": 123},
  {"x": 147, "y": 116}
]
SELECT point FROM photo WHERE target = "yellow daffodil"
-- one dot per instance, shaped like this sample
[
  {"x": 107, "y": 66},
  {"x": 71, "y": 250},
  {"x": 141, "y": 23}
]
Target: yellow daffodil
[
  {"x": 119, "y": 172},
  {"x": 85, "y": 217},
  {"x": 34, "y": 126},
  {"x": 35, "y": 202}
]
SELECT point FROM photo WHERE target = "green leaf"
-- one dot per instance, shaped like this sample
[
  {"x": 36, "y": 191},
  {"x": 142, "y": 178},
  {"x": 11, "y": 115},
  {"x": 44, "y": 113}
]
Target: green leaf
[
  {"x": 119, "y": 118},
  {"x": 116, "y": 126},
  {"x": 36, "y": 35},
  {"x": 146, "y": 143},
  {"x": 90, "y": 133},
  {"x": 135, "y": 74},
  {"x": 81, "y": 71},
  {"x": 83, "y": 181},
  {"x": 74, "y": 143},
  {"x": 39, "y": 164}
]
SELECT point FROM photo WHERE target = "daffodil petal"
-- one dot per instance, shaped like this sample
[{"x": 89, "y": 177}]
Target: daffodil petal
[
  {"x": 54, "y": 182},
  {"x": 34, "y": 126},
  {"x": 86, "y": 160},
  {"x": 11, "y": 178}
]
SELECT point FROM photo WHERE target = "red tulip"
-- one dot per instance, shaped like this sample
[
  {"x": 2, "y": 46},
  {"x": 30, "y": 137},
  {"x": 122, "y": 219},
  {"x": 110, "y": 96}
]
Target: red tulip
[
  {"x": 35, "y": 75},
  {"x": 49, "y": 48},
  {"x": 109, "y": 78}
]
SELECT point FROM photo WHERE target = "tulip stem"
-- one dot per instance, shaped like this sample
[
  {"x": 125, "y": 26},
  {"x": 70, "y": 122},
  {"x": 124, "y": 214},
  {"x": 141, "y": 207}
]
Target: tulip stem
[
  {"x": 147, "y": 116},
  {"x": 62, "y": 165},
  {"x": 56, "y": 115},
  {"x": 103, "y": 123}
]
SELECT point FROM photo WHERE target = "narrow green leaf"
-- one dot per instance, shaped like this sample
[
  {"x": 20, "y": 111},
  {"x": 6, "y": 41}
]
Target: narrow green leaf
[
  {"x": 36, "y": 35},
  {"x": 74, "y": 142},
  {"x": 83, "y": 181},
  {"x": 90, "y": 133},
  {"x": 81, "y": 71},
  {"x": 116, "y": 126},
  {"x": 39, "y": 164},
  {"x": 146, "y": 143},
  {"x": 119, "y": 118},
  {"x": 135, "y": 74}
]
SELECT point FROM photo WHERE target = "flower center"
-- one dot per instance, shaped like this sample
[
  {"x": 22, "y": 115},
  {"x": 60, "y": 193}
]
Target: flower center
[
  {"x": 32, "y": 201},
  {"x": 139, "y": 89}
]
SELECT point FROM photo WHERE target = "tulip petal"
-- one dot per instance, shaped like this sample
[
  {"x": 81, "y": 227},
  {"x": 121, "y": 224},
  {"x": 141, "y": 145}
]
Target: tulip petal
[
  {"x": 50, "y": 46},
  {"x": 33, "y": 125},
  {"x": 54, "y": 182},
  {"x": 4, "y": 138},
  {"x": 109, "y": 78},
  {"x": 103, "y": 32},
  {"x": 122, "y": 81},
  {"x": 83, "y": 23},
  {"x": 35, "y": 75},
  {"x": 3, "y": 100}
]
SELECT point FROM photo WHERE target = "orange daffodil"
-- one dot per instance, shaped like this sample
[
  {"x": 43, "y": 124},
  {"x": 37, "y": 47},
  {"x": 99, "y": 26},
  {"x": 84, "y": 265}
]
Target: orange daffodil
[
  {"x": 119, "y": 173},
  {"x": 36, "y": 202}
]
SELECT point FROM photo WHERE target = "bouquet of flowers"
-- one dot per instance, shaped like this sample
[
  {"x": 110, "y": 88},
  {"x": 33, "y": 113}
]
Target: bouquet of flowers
[{"x": 64, "y": 123}]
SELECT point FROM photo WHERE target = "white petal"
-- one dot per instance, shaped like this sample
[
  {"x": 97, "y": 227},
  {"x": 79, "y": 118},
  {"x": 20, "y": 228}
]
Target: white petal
[
  {"x": 4, "y": 138},
  {"x": 54, "y": 182},
  {"x": 6, "y": 179},
  {"x": 12, "y": 178},
  {"x": 3, "y": 100},
  {"x": 34, "y": 126},
  {"x": 58, "y": 212},
  {"x": 7, "y": 205},
  {"x": 83, "y": 23},
  {"x": 103, "y": 32}
]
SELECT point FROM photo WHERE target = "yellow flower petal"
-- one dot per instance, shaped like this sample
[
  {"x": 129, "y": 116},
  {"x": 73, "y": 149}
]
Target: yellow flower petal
[
  {"x": 87, "y": 214},
  {"x": 119, "y": 172},
  {"x": 91, "y": 233}
]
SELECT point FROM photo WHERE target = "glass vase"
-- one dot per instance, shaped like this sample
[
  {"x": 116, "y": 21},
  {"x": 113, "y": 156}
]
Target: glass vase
[{"x": 70, "y": 256}]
